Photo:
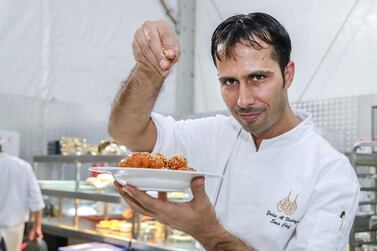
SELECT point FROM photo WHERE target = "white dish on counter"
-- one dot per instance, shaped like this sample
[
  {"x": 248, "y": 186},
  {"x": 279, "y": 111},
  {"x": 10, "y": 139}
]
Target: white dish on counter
[{"x": 149, "y": 179}]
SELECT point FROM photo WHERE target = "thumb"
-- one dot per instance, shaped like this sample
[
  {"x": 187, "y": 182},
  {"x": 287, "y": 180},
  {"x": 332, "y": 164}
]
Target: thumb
[
  {"x": 162, "y": 196},
  {"x": 197, "y": 189}
]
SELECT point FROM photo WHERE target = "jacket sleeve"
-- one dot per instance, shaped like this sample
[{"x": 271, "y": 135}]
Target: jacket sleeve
[
  {"x": 35, "y": 199},
  {"x": 194, "y": 138}
]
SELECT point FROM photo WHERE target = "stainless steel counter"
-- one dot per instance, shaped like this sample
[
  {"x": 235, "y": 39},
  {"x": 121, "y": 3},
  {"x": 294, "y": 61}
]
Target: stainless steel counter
[
  {"x": 67, "y": 189},
  {"x": 85, "y": 230},
  {"x": 77, "y": 158}
]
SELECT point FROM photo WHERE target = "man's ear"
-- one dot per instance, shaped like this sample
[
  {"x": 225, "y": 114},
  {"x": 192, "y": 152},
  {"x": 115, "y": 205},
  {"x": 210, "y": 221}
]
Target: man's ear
[{"x": 289, "y": 74}]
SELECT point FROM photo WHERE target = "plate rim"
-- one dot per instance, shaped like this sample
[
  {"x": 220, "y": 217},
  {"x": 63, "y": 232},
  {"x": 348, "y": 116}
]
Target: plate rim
[{"x": 117, "y": 170}]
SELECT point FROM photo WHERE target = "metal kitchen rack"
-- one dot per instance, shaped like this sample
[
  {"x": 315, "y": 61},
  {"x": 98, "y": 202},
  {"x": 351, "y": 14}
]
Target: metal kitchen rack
[{"x": 364, "y": 158}]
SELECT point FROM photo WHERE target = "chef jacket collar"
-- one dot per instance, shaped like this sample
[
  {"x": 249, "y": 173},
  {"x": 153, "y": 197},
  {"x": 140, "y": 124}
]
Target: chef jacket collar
[{"x": 288, "y": 138}]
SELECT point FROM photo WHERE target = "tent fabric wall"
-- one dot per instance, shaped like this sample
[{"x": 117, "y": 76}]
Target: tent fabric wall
[
  {"x": 73, "y": 51},
  {"x": 21, "y": 38},
  {"x": 80, "y": 51},
  {"x": 344, "y": 70}
]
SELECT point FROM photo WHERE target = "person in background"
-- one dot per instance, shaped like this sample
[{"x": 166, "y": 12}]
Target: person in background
[
  {"x": 19, "y": 193},
  {"x": 284, "y": 186}
]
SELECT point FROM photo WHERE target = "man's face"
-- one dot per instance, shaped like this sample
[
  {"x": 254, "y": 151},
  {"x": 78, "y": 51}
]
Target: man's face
[{"x": 253, "y": 88}]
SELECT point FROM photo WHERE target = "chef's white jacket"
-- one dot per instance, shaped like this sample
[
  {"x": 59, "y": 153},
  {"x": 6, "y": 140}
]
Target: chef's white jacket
[
  {"x": 19, "y": 191},
  {"x": 295, "y": 193}
]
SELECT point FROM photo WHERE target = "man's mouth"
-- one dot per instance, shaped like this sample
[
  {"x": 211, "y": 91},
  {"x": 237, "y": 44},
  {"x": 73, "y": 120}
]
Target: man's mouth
[{"x": 249, "y": 117}]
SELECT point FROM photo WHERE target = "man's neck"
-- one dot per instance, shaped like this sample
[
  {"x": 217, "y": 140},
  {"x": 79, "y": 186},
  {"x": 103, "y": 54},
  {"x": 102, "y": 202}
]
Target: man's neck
[{"x": 286, "y": 122}]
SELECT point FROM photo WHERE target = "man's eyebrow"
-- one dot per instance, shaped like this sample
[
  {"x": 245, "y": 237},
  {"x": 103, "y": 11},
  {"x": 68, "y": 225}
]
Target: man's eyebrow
[
  {"x": 251, "y": 74},
  {"x": 261, "y": 72},
  {"x": 224, "y": 78}
]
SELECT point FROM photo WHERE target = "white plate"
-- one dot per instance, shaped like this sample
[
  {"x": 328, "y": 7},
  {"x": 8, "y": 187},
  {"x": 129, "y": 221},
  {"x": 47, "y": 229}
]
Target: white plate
[{"x": 148, "y": 179}]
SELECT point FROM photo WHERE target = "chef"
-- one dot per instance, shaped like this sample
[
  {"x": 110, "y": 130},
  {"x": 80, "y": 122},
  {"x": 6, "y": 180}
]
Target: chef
[
  {"x": 284, "y": 186},
  {"x": 19, "y": 193}
]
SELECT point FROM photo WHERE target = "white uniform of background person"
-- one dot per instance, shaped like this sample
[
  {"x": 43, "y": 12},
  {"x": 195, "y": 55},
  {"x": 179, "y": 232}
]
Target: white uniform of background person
[
  {"x": 295, "y": 193},
  {"x": 19, "y": 193}
]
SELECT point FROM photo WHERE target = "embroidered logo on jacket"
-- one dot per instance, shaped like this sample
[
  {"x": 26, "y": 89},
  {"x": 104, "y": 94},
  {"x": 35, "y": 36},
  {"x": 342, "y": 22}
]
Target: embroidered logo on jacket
[{"x": 287, "y": 206}]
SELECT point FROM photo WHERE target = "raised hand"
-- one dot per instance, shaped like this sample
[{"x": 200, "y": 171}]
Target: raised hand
[{"x": 155, "y": 47}]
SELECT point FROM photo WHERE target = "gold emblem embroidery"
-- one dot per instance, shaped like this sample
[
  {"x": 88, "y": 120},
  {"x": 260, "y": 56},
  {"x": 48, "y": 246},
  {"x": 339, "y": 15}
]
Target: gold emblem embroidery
[{"x": 287, "y": 206}]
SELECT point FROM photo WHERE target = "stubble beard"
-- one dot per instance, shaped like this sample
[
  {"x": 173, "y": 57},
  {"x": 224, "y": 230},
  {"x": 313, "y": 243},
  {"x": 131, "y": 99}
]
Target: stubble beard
[{"x": 263, "y": 124}]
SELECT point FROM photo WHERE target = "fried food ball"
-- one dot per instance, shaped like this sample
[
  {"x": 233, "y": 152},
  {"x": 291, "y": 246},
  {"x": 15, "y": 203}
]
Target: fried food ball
[
  {"x": 123, "y": 163},
  {"x": 137, "y": 159},
  {"x": 155, "y": 162},
  {"x": 177, "y": 162},
  {"x": 162, "y": 158}
]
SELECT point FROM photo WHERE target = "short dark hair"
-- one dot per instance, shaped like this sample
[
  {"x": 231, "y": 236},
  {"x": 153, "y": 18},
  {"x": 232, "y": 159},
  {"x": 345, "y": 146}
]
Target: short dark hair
[{"x": 245, "y": 29}]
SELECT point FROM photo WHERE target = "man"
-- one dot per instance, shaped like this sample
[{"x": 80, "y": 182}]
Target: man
[
  {"x": 19, "y": 193},
  {"x": 284, "y": 186}
]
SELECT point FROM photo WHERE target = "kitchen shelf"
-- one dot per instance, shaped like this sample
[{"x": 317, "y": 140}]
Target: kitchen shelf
[
  {"x": 364, "y": 243},
  {"x": 368, "y": 189},
  {"x": 365, "y": 159},
  {"x": 371, "y": 202},
  {"x": 77, "y": 158},
  {"x": 362, "y": 222},
  {"x": 67, "y": 190}
]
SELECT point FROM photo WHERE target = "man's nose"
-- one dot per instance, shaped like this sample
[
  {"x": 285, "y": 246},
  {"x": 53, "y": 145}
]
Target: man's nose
[{"x": 245, "y": 96}]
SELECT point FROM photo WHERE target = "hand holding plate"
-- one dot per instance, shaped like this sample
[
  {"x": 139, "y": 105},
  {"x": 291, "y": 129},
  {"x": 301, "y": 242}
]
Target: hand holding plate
[{"x": 196, "y": 217}]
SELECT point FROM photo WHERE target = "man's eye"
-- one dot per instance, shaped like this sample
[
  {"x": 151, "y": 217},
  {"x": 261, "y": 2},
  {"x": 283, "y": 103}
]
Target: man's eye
[
  {"x": 258, "y": 77},
  {"x": 229, "y": 82}
]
